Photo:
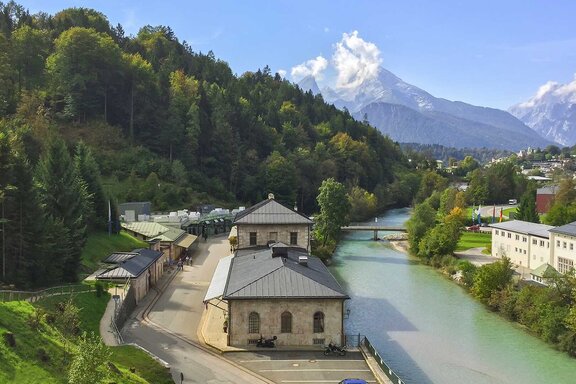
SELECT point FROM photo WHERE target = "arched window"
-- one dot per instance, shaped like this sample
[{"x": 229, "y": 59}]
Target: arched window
[
  {"x": 286, "y": 322},
  {"x": 318, "y": 322},
  {"x": 253, "y": 323}
]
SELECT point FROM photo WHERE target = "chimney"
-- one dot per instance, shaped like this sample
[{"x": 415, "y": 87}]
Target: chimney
[
  {"x": 295, "y": 207},
  {"x": 303, "y": 260},
  {"x": 270, "y": 196}
]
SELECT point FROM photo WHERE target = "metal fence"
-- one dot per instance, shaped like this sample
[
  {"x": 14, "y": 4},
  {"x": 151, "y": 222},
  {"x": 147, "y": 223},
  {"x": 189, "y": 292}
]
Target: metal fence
[
  {"x": 11, "y": 295},
  {"x": 385, "y": 368},
  {"x": 124, "y": 305}
]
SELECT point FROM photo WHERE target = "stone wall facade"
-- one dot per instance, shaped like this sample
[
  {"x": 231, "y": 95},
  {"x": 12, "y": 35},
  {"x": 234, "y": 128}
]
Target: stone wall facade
[
  {"x": 277, "y": 232},
  {"x": 270, "y": 312}
]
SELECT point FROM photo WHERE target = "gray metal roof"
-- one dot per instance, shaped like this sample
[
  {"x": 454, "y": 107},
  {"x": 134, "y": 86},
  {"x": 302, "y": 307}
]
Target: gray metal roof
[
  {"x": 119, "y": 257},
  {"x": 549, "y": 190},
  {"x": 219, "y": 279},
  {"x": 134, "y": 266},
  {"x": 567, "y": 229},
  {"x": 270, "y": 212},
  {"x": 525, "y": 227},
  {"x": 255, "y": 274}
]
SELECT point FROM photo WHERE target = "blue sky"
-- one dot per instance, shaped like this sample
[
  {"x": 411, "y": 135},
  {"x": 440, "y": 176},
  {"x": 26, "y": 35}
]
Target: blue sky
[{"x": 489, "y": 53}]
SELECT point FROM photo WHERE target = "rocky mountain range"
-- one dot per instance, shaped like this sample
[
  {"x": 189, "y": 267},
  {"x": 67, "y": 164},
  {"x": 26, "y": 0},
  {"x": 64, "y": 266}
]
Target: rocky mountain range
[
  {"x": 407, "y": 113},
  {"x": 551, "y": 112}
]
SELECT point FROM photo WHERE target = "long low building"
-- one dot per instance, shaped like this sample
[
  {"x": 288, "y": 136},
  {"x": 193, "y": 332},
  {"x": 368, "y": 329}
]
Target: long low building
[{"x": 533, "y": 245}]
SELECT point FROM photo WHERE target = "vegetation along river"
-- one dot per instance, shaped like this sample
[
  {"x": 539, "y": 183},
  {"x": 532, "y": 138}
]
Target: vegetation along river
[{"x": 427, "y": 328}]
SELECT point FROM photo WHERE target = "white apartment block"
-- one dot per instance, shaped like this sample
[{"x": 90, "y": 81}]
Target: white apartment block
[
  {"x": 563, "y": 254},
  {"x": 525, "y": 244}
]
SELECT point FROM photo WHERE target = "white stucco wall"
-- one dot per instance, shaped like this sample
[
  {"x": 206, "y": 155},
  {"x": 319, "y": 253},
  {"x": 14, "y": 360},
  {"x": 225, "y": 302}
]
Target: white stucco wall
[{"x": 519, "y": 247}]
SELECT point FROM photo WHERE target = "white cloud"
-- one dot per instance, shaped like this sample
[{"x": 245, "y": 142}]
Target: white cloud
[
  {"x": 355, "y": 61},
  {"x": 282, "y": 73},
  {"x": 313, "y": 67}
]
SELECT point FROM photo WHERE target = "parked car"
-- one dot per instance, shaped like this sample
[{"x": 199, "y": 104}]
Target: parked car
[
  {"x": 473, "y": 228},
  {"x": 512, "y": 201}
]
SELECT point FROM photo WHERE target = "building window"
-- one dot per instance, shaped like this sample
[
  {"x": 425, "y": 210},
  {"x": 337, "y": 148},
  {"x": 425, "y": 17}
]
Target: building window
[
  {"x": 524, "y": 239},
  {"x": 497, "y": 232},
  {"x": 541, "y": 243},
  {"x": 273, "y": 236},
  {"x": 286, "y": 322},
  {"x": 253, "y": 323},
  {"x": 503, "y": 234},
  {"x": 517, "y": 237},
  {"x": 571, "y": 246},
  {"x": 534, "y": 241},
  {"x": 253, "y": 238},
  {"x": 564, "y": 244},
  {"x": 509, "y": 235},
  {"x": 565, "y": 265},
  {"x": 558, "y": 243},
  {"x": 293, "y": 238},
  {"x": 318, "y": 322}
]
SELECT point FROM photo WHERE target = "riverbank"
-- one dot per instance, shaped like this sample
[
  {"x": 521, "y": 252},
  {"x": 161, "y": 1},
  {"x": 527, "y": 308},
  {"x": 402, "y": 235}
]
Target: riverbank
[{"x": 400, "y": 246}]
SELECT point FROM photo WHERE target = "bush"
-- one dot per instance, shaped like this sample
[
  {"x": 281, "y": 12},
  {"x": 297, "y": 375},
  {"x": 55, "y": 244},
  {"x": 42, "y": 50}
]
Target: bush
[{"x": 101, "y": 287}]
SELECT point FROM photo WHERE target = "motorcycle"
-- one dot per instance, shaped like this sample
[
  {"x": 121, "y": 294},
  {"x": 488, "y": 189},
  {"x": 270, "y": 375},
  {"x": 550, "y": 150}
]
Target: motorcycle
[
  {"x": 333, "y": 348},
  {"x": 266, "y": 343}
]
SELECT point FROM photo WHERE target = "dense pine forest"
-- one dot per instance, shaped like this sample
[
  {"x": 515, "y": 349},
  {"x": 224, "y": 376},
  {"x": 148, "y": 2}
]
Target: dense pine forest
[{"x": 89, "y": 115}]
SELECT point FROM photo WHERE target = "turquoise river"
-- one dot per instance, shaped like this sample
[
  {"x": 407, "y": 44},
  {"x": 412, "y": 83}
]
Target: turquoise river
[{"x": 428, "y": 329}]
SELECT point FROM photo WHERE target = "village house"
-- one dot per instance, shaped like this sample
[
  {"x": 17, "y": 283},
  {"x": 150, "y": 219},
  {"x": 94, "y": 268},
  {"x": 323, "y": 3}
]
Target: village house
[
  {"x": 272, "y": 288},
  {"x": 545, "y": 198},
  {"x": 270, "y": 221},
  {"x": 143, "y": 267}
]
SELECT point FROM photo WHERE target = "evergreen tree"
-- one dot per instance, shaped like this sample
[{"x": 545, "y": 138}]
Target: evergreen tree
[
  {"x": 526, "y": 211},
  {"x": 88, "y": 170},
  {"x": 65, "y": 198}
]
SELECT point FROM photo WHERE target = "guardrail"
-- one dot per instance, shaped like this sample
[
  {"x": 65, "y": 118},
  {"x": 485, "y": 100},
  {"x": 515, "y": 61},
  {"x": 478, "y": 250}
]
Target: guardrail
[
  {"x": 385, "y": 368},
  {"x": 33, "y": 296}
]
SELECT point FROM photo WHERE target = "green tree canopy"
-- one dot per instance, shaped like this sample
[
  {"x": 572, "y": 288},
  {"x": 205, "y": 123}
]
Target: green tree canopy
[{"x": 334, "y": 210}]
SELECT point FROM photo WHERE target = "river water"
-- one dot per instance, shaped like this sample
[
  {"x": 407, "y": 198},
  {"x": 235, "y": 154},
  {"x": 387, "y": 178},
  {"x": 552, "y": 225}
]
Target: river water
[{"x": 428, "y": 329}]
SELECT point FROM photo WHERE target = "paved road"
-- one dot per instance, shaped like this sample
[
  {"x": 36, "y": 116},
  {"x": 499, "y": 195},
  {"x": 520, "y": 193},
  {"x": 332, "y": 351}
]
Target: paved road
[{"x": 173, "y": 317}]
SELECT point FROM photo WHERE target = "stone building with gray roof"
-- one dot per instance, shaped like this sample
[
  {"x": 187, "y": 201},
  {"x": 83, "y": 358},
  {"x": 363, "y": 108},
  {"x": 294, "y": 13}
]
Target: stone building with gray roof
[
  {"x": 279, "y": 291},
  {"x": 269, "y": 221}
]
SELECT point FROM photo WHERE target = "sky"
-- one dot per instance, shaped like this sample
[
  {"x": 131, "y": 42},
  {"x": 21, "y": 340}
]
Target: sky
[{"x": 493, "y": 53}]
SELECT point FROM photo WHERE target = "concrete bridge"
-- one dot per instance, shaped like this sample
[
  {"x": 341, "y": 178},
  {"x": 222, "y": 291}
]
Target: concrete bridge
[{"x": 375, "y": 228}]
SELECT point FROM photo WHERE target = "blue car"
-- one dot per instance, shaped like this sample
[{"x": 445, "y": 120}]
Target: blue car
[{"x": 353, "y": 381}]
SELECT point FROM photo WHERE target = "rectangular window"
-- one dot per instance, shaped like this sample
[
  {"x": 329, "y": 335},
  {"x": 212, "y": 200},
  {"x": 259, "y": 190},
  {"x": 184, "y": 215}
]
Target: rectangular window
[
  {"x": 565, "y": 265},
  {"x": 253, "y": 238},
  {"x": 517, "y": 237},
  {"x": 524, "y": 239},
  {"x": 515, "y": 249},
  {"x": 497, "y": 232},
  {"x": 564, "y": 244},
  {"x": 509, "y": 235},
  {"x": 558, "y": 243},
  {"x": 293, "y": 238},
  {"x": 571, "y": 246},
  {"x": 534, "y": 241},
  {"x": 503, "y": 234},
  {"x": 541, "y": 243}
]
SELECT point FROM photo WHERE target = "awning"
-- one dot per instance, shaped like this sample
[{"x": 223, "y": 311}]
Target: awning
[
  {"x": 218, "y": 283},
  {"x": 187, "y": 241}
]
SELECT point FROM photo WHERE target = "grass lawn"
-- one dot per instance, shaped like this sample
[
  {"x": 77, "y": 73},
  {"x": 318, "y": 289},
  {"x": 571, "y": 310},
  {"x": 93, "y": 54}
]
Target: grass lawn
[
  {"x": 91, "y": 308},
  {"x": 22, "y": 364},
  {"x": 99, "y": 245},
  {"x": 473, "y": 240}
]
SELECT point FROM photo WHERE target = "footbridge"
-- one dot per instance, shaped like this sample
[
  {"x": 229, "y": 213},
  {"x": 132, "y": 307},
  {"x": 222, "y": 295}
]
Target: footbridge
[{"x": 374, "y": 228}]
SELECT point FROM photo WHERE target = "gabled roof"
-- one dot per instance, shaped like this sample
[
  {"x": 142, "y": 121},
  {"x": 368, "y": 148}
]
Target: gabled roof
[
  {"x": 270, "y": 211},
  {"x": 119, "y": 257},
  {"x": 146, "y": 228},
  {"x": 545, "y": 270},
  {"x": 525, "y": 227},
  {"x": 255, "y": 274},
  {"x": 568, "y": 229},
  {"x": 134, "y": 266},
  {"x": 170, "y": 235}
]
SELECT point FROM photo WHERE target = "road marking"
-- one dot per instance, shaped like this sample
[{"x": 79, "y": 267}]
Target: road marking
[
  {"x": 314, "y": 370},
  {"x": 293, "y": 361},
  {"x": 318, "y": 381}
]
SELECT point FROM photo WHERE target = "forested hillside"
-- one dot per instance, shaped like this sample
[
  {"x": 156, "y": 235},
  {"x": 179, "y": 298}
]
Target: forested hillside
[{"x": 89, "y": 114}]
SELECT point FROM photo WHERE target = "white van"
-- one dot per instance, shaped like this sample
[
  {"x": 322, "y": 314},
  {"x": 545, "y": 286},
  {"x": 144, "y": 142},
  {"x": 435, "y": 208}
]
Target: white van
[{"x": 512, "y": 201}]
